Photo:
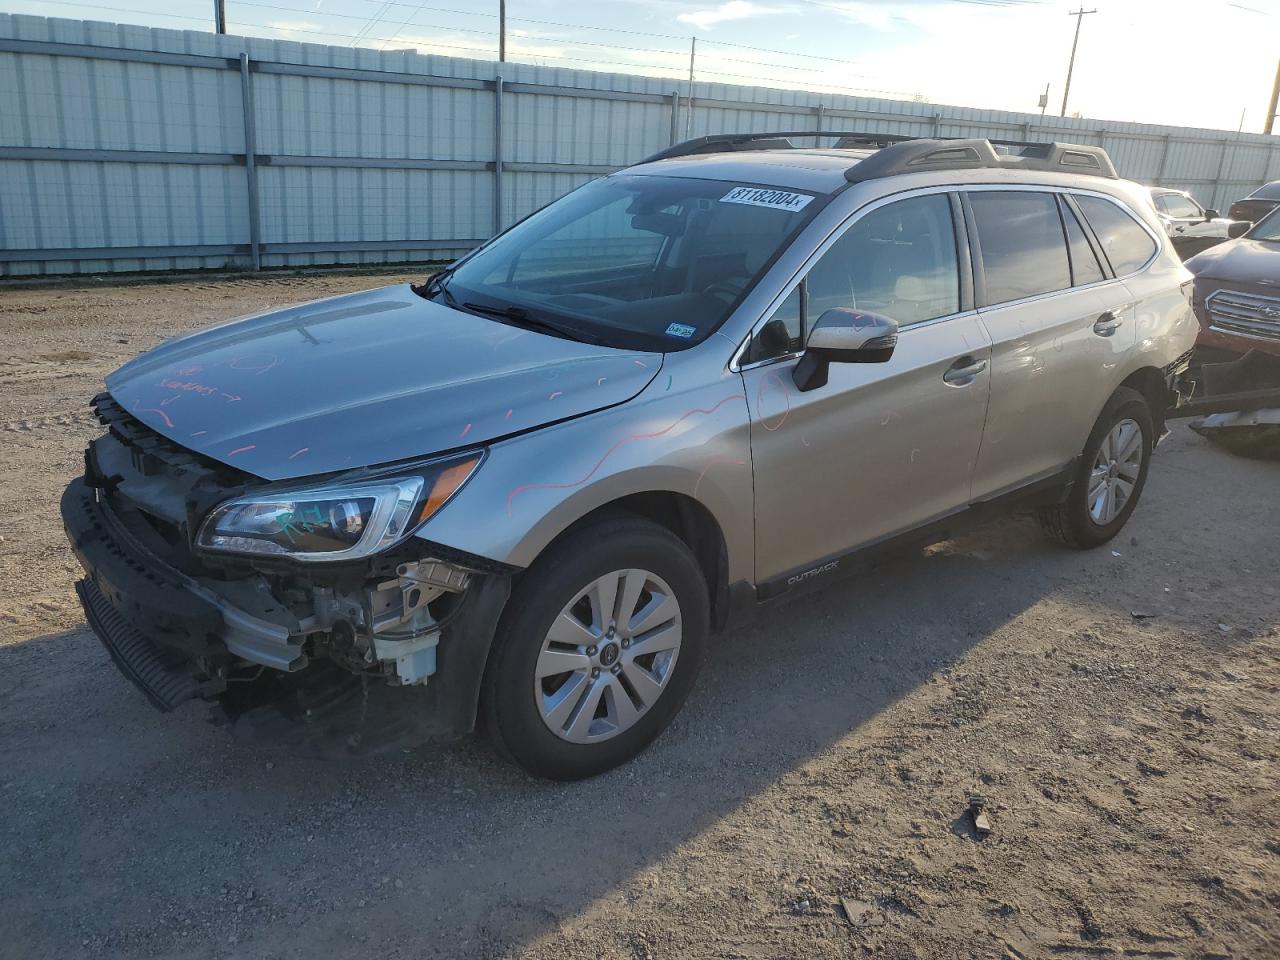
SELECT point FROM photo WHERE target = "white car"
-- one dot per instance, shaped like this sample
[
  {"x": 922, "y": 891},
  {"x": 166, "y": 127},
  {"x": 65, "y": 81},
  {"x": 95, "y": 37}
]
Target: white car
[{"x": 1190, "y": 226}]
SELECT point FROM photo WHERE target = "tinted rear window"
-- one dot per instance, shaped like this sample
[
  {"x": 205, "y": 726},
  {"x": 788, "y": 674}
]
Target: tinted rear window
[
  {"x": 1126, "y": 244},
  {"x": 1024, "y": 252}
]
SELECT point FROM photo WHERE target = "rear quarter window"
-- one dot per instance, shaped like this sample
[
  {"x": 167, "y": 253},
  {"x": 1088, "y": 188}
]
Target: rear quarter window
[{"x": 1127, "y": 245}]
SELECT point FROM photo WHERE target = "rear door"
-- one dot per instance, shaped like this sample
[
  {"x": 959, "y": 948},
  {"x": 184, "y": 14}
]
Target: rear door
[
  {"x": 882, "y": 447},
  {"x": 1060, "y": 324}
]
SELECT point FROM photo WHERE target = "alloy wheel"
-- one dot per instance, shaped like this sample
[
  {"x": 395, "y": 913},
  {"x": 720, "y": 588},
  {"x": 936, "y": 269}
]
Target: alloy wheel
[
  {"x": 1115, "y": 471},
  {"x": 608, "y": 656}
]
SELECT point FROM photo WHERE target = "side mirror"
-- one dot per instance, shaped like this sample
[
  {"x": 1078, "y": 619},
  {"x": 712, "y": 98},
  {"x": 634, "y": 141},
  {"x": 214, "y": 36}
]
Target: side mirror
[
  {"x": 1238, "y": 228},
  {"x": 1211, "y": 214},
  {"x": 844, "y": 335}
]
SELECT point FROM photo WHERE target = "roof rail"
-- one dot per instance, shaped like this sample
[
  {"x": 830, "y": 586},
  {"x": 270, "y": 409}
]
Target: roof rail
[
  {"x": 917, "y": 156},
  {"x": 897, "y": 154},
  {"x": 730, "y": 142}
]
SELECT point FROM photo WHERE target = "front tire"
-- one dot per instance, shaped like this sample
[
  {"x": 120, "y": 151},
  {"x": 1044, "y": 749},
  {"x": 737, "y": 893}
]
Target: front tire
[
  {"x": 1110, "y": 476},
  {"x": 600, "y": 644}
]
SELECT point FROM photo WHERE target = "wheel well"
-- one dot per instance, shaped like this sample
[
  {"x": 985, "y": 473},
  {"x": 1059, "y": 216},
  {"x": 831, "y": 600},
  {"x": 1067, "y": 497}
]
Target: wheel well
[
  {"x": 693, "y": 523},
  {"x": 1150, "y": 382}
]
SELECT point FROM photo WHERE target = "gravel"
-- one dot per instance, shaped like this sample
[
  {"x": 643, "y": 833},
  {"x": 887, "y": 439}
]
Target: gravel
[{"x": 810, "y": 801}]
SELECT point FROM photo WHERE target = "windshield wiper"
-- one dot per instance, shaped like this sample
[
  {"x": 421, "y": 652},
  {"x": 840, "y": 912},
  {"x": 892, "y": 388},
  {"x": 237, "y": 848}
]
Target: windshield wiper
[{"x": 520, "y": 317}]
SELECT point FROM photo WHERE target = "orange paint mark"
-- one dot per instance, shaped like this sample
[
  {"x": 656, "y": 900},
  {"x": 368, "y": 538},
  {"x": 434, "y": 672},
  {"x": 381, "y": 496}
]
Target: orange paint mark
[
  {"x": 558, "y": 393},
  {"x": 190, "y": 386},
  {"x": 508, "y": 416},
  {"x": 256, "y": 364},
  {"x": 712, "y": 463},
  {"x": 252, "y": 446},
  {"x": 465, "y": 431},
  {"x": 781, "y": 387},
  {"x": 298, "y": 453},
  {"x": 163, "y": 416}
]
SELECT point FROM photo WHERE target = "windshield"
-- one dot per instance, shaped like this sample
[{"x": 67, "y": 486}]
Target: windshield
[
  {"x": 1268, "y": 228},
  {"x": 638, "y": 262}
]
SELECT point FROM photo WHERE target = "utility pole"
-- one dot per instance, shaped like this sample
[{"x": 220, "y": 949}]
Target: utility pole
[
  {"x": 219, "y": 16},
  {"x": 502, "y": 31},
  {"x": 688, "y": 114},
  {"x": 1079, "y": 15},
  {"x": 1044, "y": 99},
  {"x": 1269, "y": 124}
]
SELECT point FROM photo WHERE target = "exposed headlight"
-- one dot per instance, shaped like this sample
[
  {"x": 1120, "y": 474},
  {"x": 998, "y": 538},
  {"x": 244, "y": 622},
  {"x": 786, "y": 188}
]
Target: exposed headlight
[{"x": 338, "y": 521}]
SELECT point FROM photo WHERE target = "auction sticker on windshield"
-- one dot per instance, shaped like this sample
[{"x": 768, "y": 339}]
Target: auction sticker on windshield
[{"x": 762, "y": 197}]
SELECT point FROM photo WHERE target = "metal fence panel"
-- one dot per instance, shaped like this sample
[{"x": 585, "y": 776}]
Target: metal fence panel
[{"x": 131, "y": 148}]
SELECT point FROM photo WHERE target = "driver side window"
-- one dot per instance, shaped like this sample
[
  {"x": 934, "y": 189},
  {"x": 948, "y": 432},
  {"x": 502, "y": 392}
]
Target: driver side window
[
  {"x": 898, "y": 260},
  {"x": 1180, "y": 207}
]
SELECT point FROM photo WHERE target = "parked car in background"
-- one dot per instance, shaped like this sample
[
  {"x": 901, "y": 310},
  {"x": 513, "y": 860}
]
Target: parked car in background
[
  {"x": 527, "y": 490},
  {"x": 1237, "y": 295},
  {"x": 1237, "y": 301},
  {"x": 1257, "y": 204},
  {"x": 1190, "y": 226}
]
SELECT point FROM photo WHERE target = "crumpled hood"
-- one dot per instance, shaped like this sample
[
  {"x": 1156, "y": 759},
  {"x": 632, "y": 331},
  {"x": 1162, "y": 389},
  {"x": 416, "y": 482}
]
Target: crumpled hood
[
  {"x": 1249, "y": 261},
  {"x": 365, "y": 379}
]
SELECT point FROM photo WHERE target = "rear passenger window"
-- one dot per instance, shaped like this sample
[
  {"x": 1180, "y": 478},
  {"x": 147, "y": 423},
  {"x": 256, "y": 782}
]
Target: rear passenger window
[
  {"x": 1084, "y": 265},
  {"x": 1024, "y": 252},
  {"x": 1125, "y": 243}
]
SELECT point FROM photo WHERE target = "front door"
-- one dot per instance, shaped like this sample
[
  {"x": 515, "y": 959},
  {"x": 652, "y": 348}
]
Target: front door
[{"x": 882, "y": 447}]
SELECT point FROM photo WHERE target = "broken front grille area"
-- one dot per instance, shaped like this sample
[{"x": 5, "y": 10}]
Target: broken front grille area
[
  {"x": 153, "y": 453},
  {"x": 158, "y": 488},
  {"x": 1244, "y": 314}
]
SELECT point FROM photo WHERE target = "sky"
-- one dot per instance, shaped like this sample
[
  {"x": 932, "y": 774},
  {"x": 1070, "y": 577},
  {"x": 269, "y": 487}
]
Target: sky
[{"x": 1195, "y": 64}]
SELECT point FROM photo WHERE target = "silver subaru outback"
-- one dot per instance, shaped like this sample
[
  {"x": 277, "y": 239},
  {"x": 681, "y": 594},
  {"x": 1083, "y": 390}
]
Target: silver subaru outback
[{"x": 524, "y": 493}]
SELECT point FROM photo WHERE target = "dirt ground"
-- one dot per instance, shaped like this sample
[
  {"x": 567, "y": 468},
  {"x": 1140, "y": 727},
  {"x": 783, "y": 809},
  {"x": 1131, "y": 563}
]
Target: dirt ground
[{"x": 808, "y": 802}]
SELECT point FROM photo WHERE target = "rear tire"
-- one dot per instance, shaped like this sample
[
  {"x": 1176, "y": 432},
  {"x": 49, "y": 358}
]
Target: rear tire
[
  {"x": 622, "y": 606},
  {"x": 1107, "y": 469}
]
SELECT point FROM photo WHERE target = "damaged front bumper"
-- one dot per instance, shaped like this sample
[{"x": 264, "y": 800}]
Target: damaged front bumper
[{"x": 385, "y": 654}]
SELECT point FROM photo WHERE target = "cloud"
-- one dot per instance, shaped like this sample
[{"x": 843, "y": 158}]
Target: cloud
[{"x": 732, "y": 10}]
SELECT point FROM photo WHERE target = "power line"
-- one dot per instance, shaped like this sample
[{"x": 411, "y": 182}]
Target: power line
[
  {"x": 668, "y": 70},
  {"x": 582, "y": 26}
]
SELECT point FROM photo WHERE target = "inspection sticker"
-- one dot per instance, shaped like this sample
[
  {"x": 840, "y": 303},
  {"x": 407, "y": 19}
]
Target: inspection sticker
[
  {"x": 763, "y": 197},
  {"x": 681, "y": 330}
]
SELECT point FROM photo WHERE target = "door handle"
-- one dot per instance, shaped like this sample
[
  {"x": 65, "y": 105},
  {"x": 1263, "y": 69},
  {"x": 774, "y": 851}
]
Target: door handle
[
  {"x": 1107, "y": 324},
  {"x": 964, "y": 371}
]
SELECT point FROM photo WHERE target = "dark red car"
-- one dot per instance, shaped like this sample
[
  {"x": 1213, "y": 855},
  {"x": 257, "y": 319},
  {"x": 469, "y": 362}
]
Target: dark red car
[
  {"x": 1257, "y": 204},
  {"x": 1236, "y": 368},
  {"x": 1237, "y": 295}
]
